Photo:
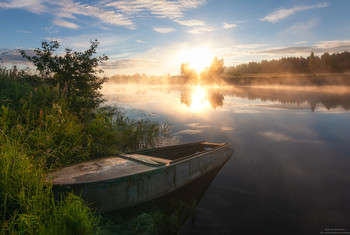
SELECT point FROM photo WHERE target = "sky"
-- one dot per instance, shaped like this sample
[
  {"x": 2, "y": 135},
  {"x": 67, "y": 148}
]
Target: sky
[{"x": 156, "y": 36}]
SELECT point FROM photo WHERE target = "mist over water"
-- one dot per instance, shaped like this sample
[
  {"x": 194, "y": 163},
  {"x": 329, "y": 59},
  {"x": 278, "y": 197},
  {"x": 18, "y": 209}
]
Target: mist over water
[{"x": 289, "y": 173}]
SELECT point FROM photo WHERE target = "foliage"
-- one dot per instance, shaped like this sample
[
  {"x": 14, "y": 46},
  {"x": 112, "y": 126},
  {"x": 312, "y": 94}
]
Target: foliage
[
  {"x": 38, "y": 120},
  {"x": 41, "y": 129},
  {"x": 55, "y": 136},
  {"x": 190, "y": 75},
  {"x": 327, "y": 63},
  {"x": 213, "y": 74},
  {"x": 27, "y": 204},
  {"x": 207, "y": 76},
  {"x": 75, "y": 74},
  {"x": 112, "y": 131}
]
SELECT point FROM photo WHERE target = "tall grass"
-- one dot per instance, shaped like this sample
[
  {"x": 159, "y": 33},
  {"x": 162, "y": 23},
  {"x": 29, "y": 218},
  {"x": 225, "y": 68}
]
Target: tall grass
[
  {"x": 27, "y": 202},
  {"x": 52, "y": 134},
  {"x": 112, "y": 131},
  {"x": 38, "y": 133}
]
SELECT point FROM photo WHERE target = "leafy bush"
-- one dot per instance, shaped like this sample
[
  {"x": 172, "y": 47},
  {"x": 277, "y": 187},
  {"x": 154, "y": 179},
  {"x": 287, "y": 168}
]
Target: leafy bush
[{"x": 74, "y": 74}]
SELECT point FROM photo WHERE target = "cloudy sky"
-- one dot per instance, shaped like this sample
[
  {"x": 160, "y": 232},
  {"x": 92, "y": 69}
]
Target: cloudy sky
[{"x": 156, "y": 36}]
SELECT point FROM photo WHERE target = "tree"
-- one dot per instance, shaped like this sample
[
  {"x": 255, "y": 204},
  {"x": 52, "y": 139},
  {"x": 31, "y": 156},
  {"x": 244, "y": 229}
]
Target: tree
[
  {"x": 75, "y": 74},
  {"x": 312, "y": 62},
  {"x": 190, "y": 75},
  {"x": 213, "y": 74},
  {"x": 216, "y": 67}
]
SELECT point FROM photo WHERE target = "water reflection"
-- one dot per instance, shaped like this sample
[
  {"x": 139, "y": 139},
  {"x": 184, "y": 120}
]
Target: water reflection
[
  {"x": 329, "y": 97},
  {"x": 290, "y": 170},
  {"x": 197, "y": 98}
]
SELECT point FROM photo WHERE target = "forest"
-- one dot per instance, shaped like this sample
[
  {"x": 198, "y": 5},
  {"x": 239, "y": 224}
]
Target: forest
[{"x": 326, "y": 63}]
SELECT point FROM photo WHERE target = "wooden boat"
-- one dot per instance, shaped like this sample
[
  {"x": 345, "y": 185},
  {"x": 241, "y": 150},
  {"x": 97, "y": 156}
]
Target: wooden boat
[{"x": 126, "y": 180}]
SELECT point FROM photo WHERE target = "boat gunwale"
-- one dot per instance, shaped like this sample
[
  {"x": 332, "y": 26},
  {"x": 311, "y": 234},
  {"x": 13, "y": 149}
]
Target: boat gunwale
[{"x": 189, "y": 157}]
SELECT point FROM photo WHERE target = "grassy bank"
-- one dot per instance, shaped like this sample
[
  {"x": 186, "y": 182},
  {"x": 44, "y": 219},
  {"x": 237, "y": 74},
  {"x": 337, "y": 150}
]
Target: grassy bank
[{"x": 41, "y": 130}]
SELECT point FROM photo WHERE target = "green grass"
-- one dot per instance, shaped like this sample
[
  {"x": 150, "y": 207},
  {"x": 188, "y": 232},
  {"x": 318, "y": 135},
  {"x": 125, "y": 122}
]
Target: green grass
[
  {"x": 27, "y": 202},
  {"x": 38, "y": 133},
  {"x": 112, "y": 131}
]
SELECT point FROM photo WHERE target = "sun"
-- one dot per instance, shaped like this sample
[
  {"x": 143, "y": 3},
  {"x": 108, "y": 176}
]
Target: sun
[{"x": 198, "y": 58}]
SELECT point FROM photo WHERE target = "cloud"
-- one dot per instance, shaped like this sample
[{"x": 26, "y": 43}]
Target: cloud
[
  {"x": 190, "y": 22},
  {"x": 301, "y": 29},
  {"x": 188, "y": 132},
  {"x": 127, "y": 63},
  {"x": 288, "y": 50},
  {"x": 173, "y": 10},
  {"x": 198, "y": 125},
  {"x": 118, "y": 13},
  {"x": 164, "y": 30},
  {"x": 200, "y": 30},
  {"x": 279, "y": 137},
  {"x": 34, "y": 6},
  {"x": 319, "y": 47},
  {"x": 140, "y": 41},
  {"x": 65, "y": 24},
  {"x": 333, "y": 44},
  {"x": 159, "y": 8},
  {"x": 229, "y": 26},
  {"x": 300, "y": 42},
  {"x": 226, "y": 128},
  {"x": 70, "y": 9},
  {"x": 13, "y": 56},
  {"x": 284, "y": 13}
]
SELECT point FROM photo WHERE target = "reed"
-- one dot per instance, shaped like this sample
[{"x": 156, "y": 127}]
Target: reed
[
  {"x": 112, "y": 131},
  {"x": 27, "y": 202},
  {"x": 38, "y": 133}
]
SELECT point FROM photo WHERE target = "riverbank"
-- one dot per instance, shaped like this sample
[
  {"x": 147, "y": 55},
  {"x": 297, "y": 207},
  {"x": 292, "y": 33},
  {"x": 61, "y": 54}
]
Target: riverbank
[{"x": 40, "y": 132}]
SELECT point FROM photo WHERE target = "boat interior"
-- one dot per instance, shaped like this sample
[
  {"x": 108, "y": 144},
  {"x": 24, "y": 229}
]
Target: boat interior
[{"x": 170, "y": 154}]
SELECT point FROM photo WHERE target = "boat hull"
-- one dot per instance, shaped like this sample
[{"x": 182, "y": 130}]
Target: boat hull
[{"x": 118, "y": 193}]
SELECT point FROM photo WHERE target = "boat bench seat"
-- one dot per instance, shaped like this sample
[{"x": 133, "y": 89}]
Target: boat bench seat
[{"x": 147, "y": 159}]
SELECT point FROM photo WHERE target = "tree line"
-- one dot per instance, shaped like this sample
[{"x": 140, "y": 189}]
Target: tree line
[
  {"x": 312, "y": 70},
  {"x": 326, "y": 63}
]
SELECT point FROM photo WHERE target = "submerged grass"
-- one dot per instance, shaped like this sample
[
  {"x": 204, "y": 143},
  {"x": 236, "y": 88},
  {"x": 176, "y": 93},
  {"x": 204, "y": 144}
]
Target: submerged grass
[{"x": 154, "y": 221}]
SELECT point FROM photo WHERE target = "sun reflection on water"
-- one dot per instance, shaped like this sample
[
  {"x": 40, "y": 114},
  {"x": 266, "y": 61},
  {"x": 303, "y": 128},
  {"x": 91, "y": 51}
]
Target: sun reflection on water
[{"x": 199, "y": 99}]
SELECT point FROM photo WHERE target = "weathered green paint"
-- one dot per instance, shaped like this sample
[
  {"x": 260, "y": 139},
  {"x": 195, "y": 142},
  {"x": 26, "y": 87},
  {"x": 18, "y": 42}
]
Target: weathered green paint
[{"x": 123, "y": 187}]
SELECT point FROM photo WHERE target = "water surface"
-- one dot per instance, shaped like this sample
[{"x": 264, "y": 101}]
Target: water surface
[{"x": 290, "y": 173}]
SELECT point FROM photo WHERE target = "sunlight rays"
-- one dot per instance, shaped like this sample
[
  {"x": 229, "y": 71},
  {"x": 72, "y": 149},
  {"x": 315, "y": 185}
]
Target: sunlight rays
[{"x": 198, "y": 58}]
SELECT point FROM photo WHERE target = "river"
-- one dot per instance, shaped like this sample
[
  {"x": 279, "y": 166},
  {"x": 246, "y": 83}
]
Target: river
[{"x": 290, "y": 172}]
